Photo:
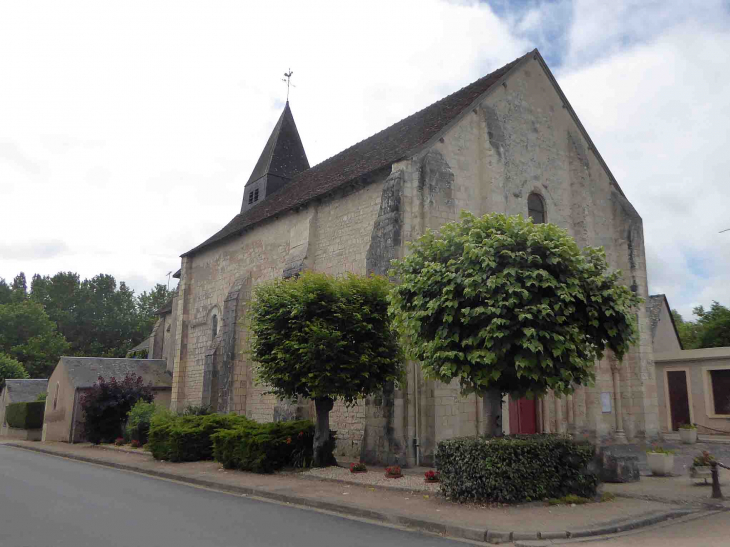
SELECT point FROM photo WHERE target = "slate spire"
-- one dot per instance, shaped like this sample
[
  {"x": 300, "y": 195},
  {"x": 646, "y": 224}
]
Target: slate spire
[{"x": 283, "y": 157}]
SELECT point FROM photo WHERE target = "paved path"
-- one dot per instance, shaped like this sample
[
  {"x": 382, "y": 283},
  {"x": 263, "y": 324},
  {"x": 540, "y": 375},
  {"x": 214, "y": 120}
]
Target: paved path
[
  {"x": 711, "y": 531},
  {"x": 45, "y": 500}
]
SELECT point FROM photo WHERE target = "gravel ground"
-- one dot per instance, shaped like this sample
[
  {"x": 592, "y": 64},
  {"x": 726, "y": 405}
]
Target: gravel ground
[{"x": 373, "y": 477}]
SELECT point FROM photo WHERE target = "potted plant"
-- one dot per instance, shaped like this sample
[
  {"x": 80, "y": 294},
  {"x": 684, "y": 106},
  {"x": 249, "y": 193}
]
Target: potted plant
[
  {"x": 660, "y": 460},
  {"x": 688, "y": 433},
  {"x": 701, "y": 466},
  {"x": 358, "y": 468},
  {"x": 393, "y": 472},
  {"x": 432, "y": 476}
]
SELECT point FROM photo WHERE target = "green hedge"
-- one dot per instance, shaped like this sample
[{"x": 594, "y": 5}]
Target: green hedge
[
  {"x": 25, "y": 415},
  {"x": 264, "y": 448},
  {"x": 515, "y": 469},
  {"x": 187, "y": 438}
]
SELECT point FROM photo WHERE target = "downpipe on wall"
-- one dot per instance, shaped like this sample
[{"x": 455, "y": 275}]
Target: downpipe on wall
[{"x": 416, "y": 442}]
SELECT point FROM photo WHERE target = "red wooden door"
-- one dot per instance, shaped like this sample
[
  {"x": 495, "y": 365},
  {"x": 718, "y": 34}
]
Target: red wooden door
[
  {"x": 678, "y": 398},
  {"x": 522, "y": 416}
]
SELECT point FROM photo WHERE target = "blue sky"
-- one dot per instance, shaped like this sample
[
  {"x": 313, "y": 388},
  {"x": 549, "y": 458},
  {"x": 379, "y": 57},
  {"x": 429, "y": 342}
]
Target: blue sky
[{"x": 128, "y": 131}]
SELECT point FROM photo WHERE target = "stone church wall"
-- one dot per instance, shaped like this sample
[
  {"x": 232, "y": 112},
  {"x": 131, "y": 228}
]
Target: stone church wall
[{"x": 520, "y": 139}]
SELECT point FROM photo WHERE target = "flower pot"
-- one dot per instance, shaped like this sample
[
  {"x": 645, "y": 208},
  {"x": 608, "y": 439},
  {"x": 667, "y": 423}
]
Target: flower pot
[
  {"x": 688, "y": 436},
  {"x": 700, "y": 472},
  {"x": 387, "y": 476},
  {"x": 358, "y": 472},
  {"x": 431, "y": 481},
  {"x": 661, "y": 465}
]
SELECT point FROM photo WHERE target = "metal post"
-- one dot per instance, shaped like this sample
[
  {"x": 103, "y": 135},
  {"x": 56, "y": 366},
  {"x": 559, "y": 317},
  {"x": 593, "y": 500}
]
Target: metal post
[{"x": 716, "y": 492}]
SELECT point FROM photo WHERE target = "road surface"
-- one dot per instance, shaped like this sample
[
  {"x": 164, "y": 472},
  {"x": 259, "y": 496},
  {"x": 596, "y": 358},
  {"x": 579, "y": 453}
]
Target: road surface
[{"x": 53, "y": 502}]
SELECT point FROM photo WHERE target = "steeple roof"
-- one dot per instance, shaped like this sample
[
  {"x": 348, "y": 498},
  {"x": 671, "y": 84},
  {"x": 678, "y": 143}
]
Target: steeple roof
[{"x": 283, "y": 156}]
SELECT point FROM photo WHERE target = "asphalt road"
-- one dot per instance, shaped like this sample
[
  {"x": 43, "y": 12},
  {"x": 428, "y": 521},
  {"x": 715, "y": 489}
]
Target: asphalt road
[{"x": 52, "y": 502}]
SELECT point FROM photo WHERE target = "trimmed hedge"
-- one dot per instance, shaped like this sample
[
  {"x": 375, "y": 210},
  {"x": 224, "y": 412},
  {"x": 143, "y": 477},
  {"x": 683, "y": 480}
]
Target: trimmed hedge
[
  {"x": 264, "y": 448},
  {"x": 515, "y": 468},
  {"x": 25, "y": 415},
  {"x": 187, "y": 438}
]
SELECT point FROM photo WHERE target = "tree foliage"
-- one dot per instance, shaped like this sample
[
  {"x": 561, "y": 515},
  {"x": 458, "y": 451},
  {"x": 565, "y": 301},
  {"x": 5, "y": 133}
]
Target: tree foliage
[
  {"x": 710, "y": 330},
  {"x": 324, "y": 338},
  {"x": 30, "y": 337},
  {"x": 107, "y": 403},
  {"x": 10, "y": 369},
  {"x": 504, "y": 304}
]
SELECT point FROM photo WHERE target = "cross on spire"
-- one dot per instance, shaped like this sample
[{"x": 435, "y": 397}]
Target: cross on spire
[{"x": 287, "y": 79}]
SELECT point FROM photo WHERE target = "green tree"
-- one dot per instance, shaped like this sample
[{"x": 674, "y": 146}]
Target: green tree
[
  {"x": 5, "y": 292},
  {"x": 11, "y": 369},
  {"x": 19, "y": 288},
  {"x": 714, "y": 325},
  {"x": 507, "y": 306},
  {"x": 149, "y": 303},
  {"x": 688, "y": 331},
  {"x": 30, "y": 337},
  {"x": 96, "y": 317},
  {"x": 324, "y": 338}
]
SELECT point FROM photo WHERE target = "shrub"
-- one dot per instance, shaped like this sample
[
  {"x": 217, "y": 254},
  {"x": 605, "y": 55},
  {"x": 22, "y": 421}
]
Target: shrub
[
  {"x": 432, "y": 476},
  {"x": 703, "y": 460},
  {"x": 119, "y": 441},
  {"x": 187, "y": 438},
  {"x": 515, "y": 469},
  {"x": 106, "y": 405},
  {"x": 135, "y": 444},
  {"x": 358, "y": 467},
  {"x": 42, "y": 397},
  {"x": 138, "y": 421},
  {"x": 195, "y": 410},
  {"x": 264, "y": 448},
  {"x": 25, "y": 415}
]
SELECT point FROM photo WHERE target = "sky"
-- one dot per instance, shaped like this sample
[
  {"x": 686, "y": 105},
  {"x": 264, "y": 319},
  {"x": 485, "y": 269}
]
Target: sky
[{"x": 128, "y": 130}]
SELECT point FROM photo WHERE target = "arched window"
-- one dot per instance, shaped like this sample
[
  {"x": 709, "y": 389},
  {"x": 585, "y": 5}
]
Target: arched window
[
  {"x": 536, "y": 209},
  {"x": 214, "y": 325},
  {"x": 55, "y": 396}
]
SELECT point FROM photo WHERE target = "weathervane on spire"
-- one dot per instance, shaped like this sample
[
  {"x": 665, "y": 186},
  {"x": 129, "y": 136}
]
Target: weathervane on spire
[{"x": 287, "y": 79}]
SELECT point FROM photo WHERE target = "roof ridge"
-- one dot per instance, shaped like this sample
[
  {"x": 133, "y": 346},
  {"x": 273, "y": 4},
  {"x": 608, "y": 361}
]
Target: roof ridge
[{"x": 366, "y": 156}]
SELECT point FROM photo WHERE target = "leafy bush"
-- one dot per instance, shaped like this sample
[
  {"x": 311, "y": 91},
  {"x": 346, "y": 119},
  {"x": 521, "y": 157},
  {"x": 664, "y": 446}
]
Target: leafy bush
[
  {"x": 187, "y": 438},
  {"x": 138, "y": 421},
  {"x": 25, "y": 415},
  {"x": 106, "y": 405},
  {"x": 515, "y": 469},
  {"x": 703, "y": 460},
  {"x": 119, "y": 442},
  {"x": 10, "y": 369},
  {"x": 195, "y": 410},
  {"x": 264, "y": 448},
  {"x": 42, "y": 396}
]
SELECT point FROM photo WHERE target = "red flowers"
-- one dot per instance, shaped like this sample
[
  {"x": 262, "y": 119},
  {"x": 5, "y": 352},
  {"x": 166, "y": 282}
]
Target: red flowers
[
  {"x": 358, "y": 467},
  {"x": 393, "y": 472},
  {"x": 432, "y": 476}
]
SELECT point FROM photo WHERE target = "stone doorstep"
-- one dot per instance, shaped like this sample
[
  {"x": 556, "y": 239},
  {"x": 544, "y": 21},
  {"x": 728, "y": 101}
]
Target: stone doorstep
[{"x": 415, "y": 523}]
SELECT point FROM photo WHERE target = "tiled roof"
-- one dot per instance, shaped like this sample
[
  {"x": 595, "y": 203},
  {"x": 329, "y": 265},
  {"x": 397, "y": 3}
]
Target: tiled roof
[
  {"x": 374, "y": 153},
  {"x": 283, "y": 154},
  {"x": 85, "y": 371},
  {"x": 25, "y": 391}
]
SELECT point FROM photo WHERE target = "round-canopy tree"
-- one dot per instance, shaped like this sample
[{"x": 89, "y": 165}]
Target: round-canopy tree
[
  {"x": 10, "y": 369},
  {"x": 324, "y": 338},
  {"x": 507, "y": 306}
]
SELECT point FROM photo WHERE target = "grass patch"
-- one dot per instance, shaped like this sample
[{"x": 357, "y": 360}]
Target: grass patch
[{"x": 570, "y": 499}]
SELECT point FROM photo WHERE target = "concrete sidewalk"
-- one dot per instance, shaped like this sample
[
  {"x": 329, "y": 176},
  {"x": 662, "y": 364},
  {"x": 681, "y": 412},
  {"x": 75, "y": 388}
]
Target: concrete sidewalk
[{"x": 416, "y": 509}]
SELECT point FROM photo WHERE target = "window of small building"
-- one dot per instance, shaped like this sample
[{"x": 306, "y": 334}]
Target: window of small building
[
  {"x": 55, "y": 396},
  {"x": 214, "y": 326},
  {"x": 256, "y": 194},
  {"x": 536, "y": 208},
  {"x": 250, "y": 197},
  {"x": 720, "y": 385}
]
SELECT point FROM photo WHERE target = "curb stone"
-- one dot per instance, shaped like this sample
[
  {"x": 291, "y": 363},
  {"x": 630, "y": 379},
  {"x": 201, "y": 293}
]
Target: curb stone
[{"x": 474, "y": 534}]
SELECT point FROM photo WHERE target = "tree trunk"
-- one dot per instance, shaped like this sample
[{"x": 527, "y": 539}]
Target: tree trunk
[
  {"x": 492, "y": 405},
  {"x": 322, "y": 452}
]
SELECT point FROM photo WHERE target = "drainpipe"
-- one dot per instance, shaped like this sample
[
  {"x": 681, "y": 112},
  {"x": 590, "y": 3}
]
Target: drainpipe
[{"x": 416, "y": 441}]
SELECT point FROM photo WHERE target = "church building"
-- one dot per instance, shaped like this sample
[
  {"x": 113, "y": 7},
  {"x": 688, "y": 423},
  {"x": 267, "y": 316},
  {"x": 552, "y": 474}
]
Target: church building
[{"x": 509, "y": 143}]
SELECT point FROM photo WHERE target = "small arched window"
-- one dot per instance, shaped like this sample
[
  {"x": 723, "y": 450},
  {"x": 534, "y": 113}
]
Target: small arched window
[
  {"x": 536, "y": 208},
  {"x": 55, "y": 396},
  {"x": 214, "y": 325}
]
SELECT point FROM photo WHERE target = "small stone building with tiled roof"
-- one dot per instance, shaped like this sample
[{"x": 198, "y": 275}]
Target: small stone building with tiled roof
[
  {"x": 19, "y": 391},
  {"x": 64, "y": 420},
  {"x": 510, "y": 143}
]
